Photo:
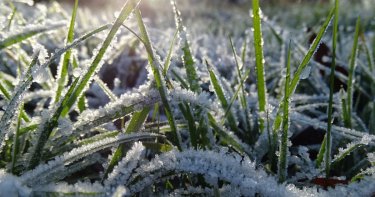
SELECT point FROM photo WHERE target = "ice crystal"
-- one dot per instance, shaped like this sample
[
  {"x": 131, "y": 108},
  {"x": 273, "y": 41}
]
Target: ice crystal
[{"x": 12, "y": 186}]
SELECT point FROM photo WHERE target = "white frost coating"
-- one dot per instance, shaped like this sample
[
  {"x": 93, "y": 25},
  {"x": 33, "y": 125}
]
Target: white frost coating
[
  {"x": 240, "y": 172},
  {"x": 28, "y": 2},
  {"x": 366, "y": 139},
  {"x": 120, "y": 191},
  {"x": 121, "y": 173},
  {"x": 143, "y": 97},
  {"x": 349, "y": 133},
  {"x": 49, "y": 25},
  {"x": 201, "y": 99},
  {"x": 44, "y": 170},
  {"x": 43, "y": 54},
  {"x": 76, "y": 189},
  {"x": 11, "y": 186},
  {"x": 371, "y": 157},
  {"x": 40, "y": 75}
]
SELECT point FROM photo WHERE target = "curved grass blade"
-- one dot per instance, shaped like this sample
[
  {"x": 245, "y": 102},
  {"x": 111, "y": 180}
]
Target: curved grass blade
[
  {"x": 44, "y": 169},
  {"x": 297, "y": 75},
  {"x": 47, "y": 127},
  {"x": 17, "y": 38},
  {"x": 7, "y": 96},
  {"x": 346, "y": 153},
  {"x": 16, "y": 99}
]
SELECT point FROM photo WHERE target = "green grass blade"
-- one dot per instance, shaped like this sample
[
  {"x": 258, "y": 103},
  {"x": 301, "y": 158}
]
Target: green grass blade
[
  {"x": 345, "y": 114},
  {"x": 7, "y": 96},
  {"x": 11, "y": 17},
  {"x": 15, "y": 101},
  {"x": 283, "y": 158},
  {"x": 310, "y": 53},
  {"x": 259, "y": 59},
  {"x": 183, "y": 83},
  {"x": 105, "y": 89},
  {"x": 167, "y": 62},
  {"x": 188, "y": 115},
  {"x": 17, "y": 38},
  {"x": 330, "y": 102},
  {"x": 187, "y": 56},
  {"x": 81, "y": 104},
  {"x": 127, "y": 9},
  {"x": 345, "y": 153},
  {"x": 235, "y": 95},
  {"x": 297, "y": 75},
  {"x": 370, "y": 60},
  {"x": 46, "y": 130},
  {"x": 135, "y": 124},
  {"x": 63, "y": 75},
  {"x": 224, "y": 135},
  {"x": 160, "y": 85},
  {"x": 16, "y": 143},
  {"x": 138, "y": 120},
  {"x": 28, "y": 128},
  {"x": 352, "y": 64},
  {"x": 242, "y": 80},
  {"x": 220, "y": 95},
  {"x": 47, "y": 127},
  {"x": 321, "y": 153}
]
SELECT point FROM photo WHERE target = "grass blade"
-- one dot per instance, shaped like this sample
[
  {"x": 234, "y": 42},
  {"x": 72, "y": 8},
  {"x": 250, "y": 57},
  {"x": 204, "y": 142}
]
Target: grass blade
[
  {"x": 187, "y": 56},
  {"x": 160, "y": 85},
  {"x": 297, "y": 75},
  {"x": 352, "y": 64},
  {"x": 242, "y": 81},
  {"x": 17, "y": 38},
  {"x": 63, "y": 75},
  {"x": 46, "y": 130},
  {"x": 47, "y": 127},
  {"x": 16, "y": 99},
  {"x": 259, "y": 59},
  {"x": 330, "y": 102},
  {"x": 224, "y": 135},
  {"x": 220, "y": 95},
  {"x": 321, "y": 153},
  {"x": 127, "y": 9},
  {"x": 135, "y": 125},
  {"x": 283, "y": 159},
  {"x": 16, "y": 143},
  {"x": 7, "y": 96},
  {"x": 167, "y": 62}
]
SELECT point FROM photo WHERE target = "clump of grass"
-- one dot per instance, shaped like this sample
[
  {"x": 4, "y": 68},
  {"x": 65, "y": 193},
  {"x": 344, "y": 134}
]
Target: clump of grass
[{"x": 196, "y": 125}]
